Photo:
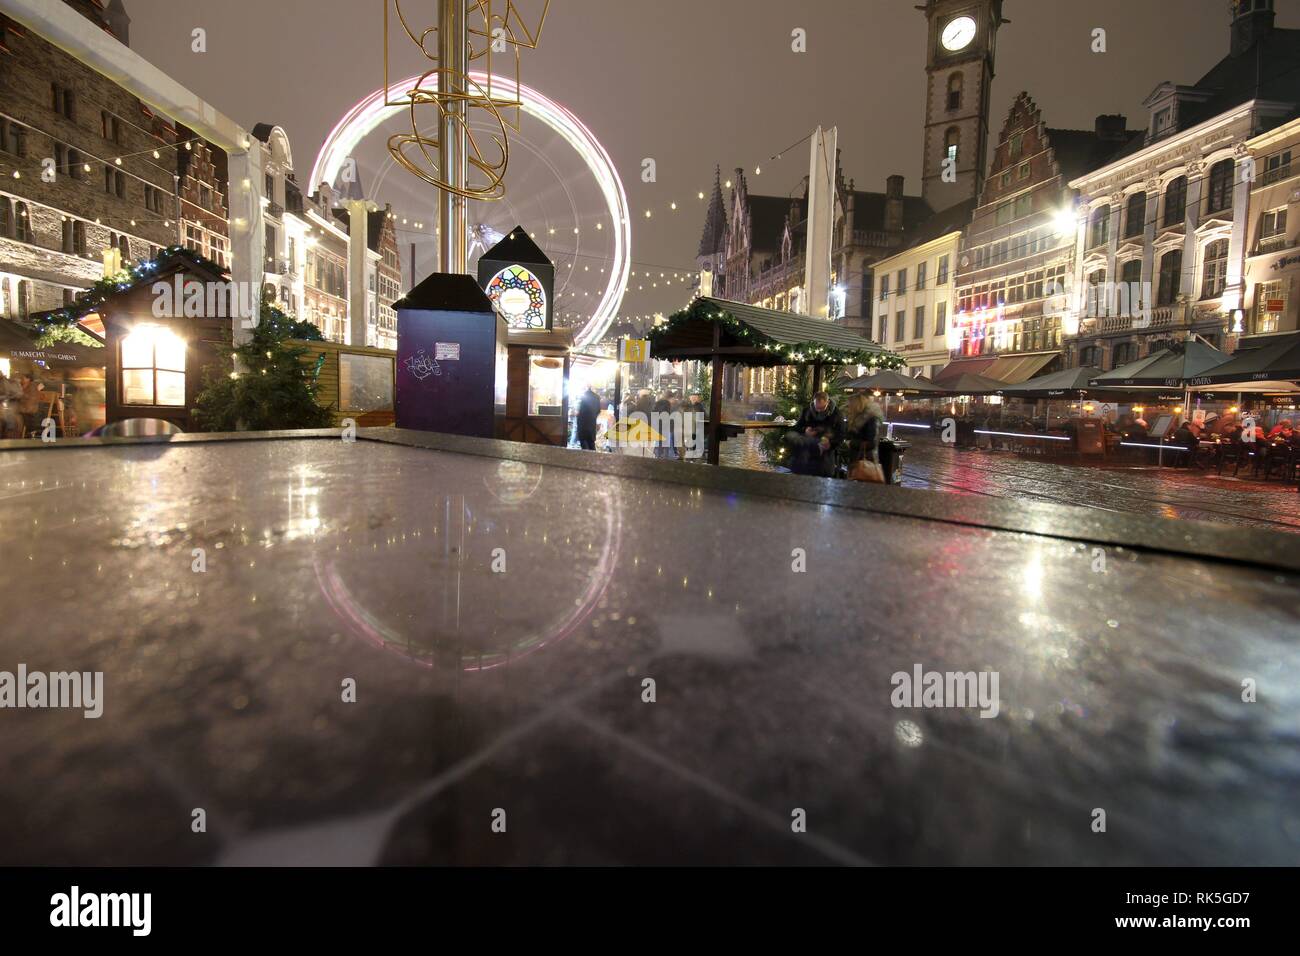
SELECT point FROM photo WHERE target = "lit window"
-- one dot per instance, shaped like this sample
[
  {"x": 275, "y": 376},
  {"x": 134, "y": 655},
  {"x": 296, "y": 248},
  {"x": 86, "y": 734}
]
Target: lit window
[{"x": 153, "y": 367}]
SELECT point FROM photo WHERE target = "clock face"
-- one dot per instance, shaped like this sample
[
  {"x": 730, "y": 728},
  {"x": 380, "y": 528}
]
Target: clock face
[{"x": 958, "y": 33}]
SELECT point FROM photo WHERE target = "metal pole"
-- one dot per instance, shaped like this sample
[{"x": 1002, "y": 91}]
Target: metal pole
[{"x": 453, "y": 40}]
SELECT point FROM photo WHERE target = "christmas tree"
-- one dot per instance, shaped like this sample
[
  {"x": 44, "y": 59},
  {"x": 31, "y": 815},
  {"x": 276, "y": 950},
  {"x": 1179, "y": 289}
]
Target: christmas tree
[{"x": 272, "y": 387}]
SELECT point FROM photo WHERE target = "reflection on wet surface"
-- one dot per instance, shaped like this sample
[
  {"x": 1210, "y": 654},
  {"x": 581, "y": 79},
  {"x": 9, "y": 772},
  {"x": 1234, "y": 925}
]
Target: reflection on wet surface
[
  {"x": 500, "y": 620},
  {"x": 1132, "y": 487}
]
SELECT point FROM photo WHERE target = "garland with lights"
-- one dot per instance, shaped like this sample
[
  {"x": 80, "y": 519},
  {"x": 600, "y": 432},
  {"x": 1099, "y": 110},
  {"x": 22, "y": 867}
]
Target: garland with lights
[
  {"x": 787, "y": 353},
  {"x": 93, "y": 299}
]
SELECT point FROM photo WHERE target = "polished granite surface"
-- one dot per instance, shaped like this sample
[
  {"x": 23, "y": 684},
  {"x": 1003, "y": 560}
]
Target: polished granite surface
[{"x": 521, "y": 690}]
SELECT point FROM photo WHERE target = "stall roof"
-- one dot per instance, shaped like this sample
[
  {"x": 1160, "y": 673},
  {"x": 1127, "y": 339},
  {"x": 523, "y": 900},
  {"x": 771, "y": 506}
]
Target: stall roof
[
  {"x": 752, "y": 335},
  {"x": 18, "y": 342}
]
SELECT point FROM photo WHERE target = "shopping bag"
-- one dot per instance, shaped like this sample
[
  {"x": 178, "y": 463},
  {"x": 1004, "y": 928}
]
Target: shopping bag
[{"x": 864, "y": 470}]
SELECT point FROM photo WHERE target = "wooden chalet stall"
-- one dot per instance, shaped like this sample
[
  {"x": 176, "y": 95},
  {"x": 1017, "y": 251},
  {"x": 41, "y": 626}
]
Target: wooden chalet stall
[
  {"x": 354, "y": 381},
  {"x": 537, "y": 387},
  {"x": 722, "y": 331}
]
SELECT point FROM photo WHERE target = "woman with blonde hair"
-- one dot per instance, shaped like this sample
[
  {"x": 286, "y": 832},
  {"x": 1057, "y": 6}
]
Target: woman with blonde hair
[{"x": 864, "y": 425}]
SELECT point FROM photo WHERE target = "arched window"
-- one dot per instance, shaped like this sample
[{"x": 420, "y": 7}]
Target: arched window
[
  {"x": 1097, "y": 298},
  {"x": 22, "y": 224},
  {"x": 1214, "y": 275},
  {"x": 954, "y": 91},
  {"x": 1125, "y": 352},
  {"x": 1090, "y": 357},
  {"x": 1220, "y": 196},
  {"x": 1135, "y": 215},
  {"x": 124, "y": 247},
  {"x": 1175, "y": 201},
  {"x": 1171, "y": 269},
  {"x": 951, "y": 143},
  {"x": 24, "y": 299},
  {"x": 1130, "y": 287},
  {"x": 1100, "y": 226}
]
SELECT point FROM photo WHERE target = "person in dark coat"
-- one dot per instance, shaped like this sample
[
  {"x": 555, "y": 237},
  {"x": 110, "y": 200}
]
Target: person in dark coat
[
  {"x": 661, "y": 422},
  {"x": 864, "y": 428},
  {"x": 588, "y": 412},
  {"x": 815, "y": 436}
]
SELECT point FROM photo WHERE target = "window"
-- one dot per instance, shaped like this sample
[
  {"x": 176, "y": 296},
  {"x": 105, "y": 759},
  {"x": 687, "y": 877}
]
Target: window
[
  {"x": 884, "y": 288},
  {"x": 114, "y": 182},
  {"x": 1272, "y": 228},
  {"x": 951, "y": 142},
  {"x": 6, "y": 216},
  {"x": 74, "y": 237},
  {"x": 902, "y": 281},
  {"x": 124, "y": 247},
  {"x": 941, "y": 318},
  {"x": 194, "y": 239},
  {"x": 217, "y": 250},
  {"x": 1016, "y": 289},
  {"x": 24, "y": 299},
  {"x": 1163, "y": 121},
  {"x": 883, "y": 335},
  {"x": 1124, "y": 353},
  {"x": 1270, "y": 306},
  {"x": 270, "y": 187},
  {"x": 205, "y": 197},
  {"x": 1214, "y": 274},
  {"x": 1024, "y": 170},
  {"x": 1130, "y": 277},
  {"x": 918, "y": 323},
  {"x": 13, "y": 138},
  {"x": 22, "y": 223},
  {"x": 1171, "y": 268},
  {"x": 1017, "y": 145},
  {"x": 365, "y": 382},
  {"x": 63, "y": 101},
  {"x": 1276, "y": 167},
  {"x": 110, "y": 126},
  {"x": 1176, "y": 201},
  {"x": 1007, "y": 178},
  {"x": 153, "y": 367},
  {"x": 954, "y": 91},
  {"x": 545, "y": 384},
  {"x": 153, "y": 198},
  {"x": 1099, "y": 229},
  {"x": 900, "y": 326},
  {"x": 1004, "y": 213},
  {"x": 942, "y": 277},
  {"x": 1090, "y": 357},
  {"x": 1220, "y": 196},
  {"x": 1024, "y": 205},
  {"x": 921, "y": 270},
  {"x": 1097, "y": 303},
  {"x": 1135, "y": 215}
]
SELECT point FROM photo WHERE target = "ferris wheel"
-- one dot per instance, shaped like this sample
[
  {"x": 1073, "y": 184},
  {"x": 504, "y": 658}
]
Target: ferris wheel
[{"x": 562, "y": 188}]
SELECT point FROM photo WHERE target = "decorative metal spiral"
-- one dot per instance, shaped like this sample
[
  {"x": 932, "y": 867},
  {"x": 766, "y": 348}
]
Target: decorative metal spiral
[{"x": 416, "y": 151}]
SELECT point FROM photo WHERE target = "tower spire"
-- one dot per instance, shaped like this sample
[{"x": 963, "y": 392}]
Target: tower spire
[{"x": 715, "y": 221}]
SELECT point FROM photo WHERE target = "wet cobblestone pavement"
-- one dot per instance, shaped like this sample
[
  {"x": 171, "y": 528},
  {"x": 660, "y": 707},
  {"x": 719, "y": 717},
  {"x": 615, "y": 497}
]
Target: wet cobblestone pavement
[{"x": 1130, "y": 487}]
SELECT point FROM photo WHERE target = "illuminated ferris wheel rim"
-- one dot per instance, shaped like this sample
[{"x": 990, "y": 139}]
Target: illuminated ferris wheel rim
[{"x": 368, "y": 113}]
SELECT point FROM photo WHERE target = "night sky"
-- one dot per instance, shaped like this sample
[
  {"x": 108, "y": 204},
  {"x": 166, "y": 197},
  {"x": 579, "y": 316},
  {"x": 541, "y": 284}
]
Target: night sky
[{"x": 688, "y": 83}]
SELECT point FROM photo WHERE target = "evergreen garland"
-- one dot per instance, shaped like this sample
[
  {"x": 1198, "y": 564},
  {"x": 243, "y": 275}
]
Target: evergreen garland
[{"x": 782, "y": 353}]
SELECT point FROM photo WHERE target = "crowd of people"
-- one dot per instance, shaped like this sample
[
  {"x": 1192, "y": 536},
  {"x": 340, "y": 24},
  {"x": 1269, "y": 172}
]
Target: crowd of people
[
  {"x": 20, "y": 406},
  {"x": 595, "y": 419},
  {"x": 828, "y": 442}
]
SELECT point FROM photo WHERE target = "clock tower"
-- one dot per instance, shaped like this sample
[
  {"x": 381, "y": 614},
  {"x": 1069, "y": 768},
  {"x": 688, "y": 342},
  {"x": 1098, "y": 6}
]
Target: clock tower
[{"x": 959, "y": 73}]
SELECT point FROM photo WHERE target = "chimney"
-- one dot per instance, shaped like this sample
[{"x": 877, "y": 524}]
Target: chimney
[
  {"x": 894, "y": 203},
  {"x": 1112, "y": 126},
  {"x": 1252, "y": 21}
]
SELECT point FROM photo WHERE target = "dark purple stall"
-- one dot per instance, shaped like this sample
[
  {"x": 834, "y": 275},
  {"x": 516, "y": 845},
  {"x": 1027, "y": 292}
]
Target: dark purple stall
[{"x": 451, "y": 358}]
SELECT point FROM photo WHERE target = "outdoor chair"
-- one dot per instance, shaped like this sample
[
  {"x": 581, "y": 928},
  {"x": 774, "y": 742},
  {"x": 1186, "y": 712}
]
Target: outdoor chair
[{"x": 1236, "y": 454}]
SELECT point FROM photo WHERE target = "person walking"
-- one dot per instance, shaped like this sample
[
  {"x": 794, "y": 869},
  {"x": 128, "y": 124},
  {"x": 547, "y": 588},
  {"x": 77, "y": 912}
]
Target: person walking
[
  {"x": 588, "y": 413},
  {"x": 815, "y": 436}
]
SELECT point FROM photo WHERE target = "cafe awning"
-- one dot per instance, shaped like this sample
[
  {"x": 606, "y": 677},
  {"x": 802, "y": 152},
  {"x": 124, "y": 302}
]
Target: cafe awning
[
  {"x": 968, "y": 366},
  {"x": 1277, "y": 362},
  {"x": 1167, "y": 368},
  {"x": 970, "y": 384},
  {"x": 888, "y": 380},
  {"x": 1014, "y": 369},
  {"x": 16, "y": 342}
]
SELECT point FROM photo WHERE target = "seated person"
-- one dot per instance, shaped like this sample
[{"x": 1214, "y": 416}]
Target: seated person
[{"x": 1282, "y": 430}]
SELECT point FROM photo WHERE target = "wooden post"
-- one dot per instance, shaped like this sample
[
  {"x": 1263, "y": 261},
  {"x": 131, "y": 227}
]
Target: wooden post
[
  {"x": 817, "y": 377},
  {"x": 715, "y": 398}
]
